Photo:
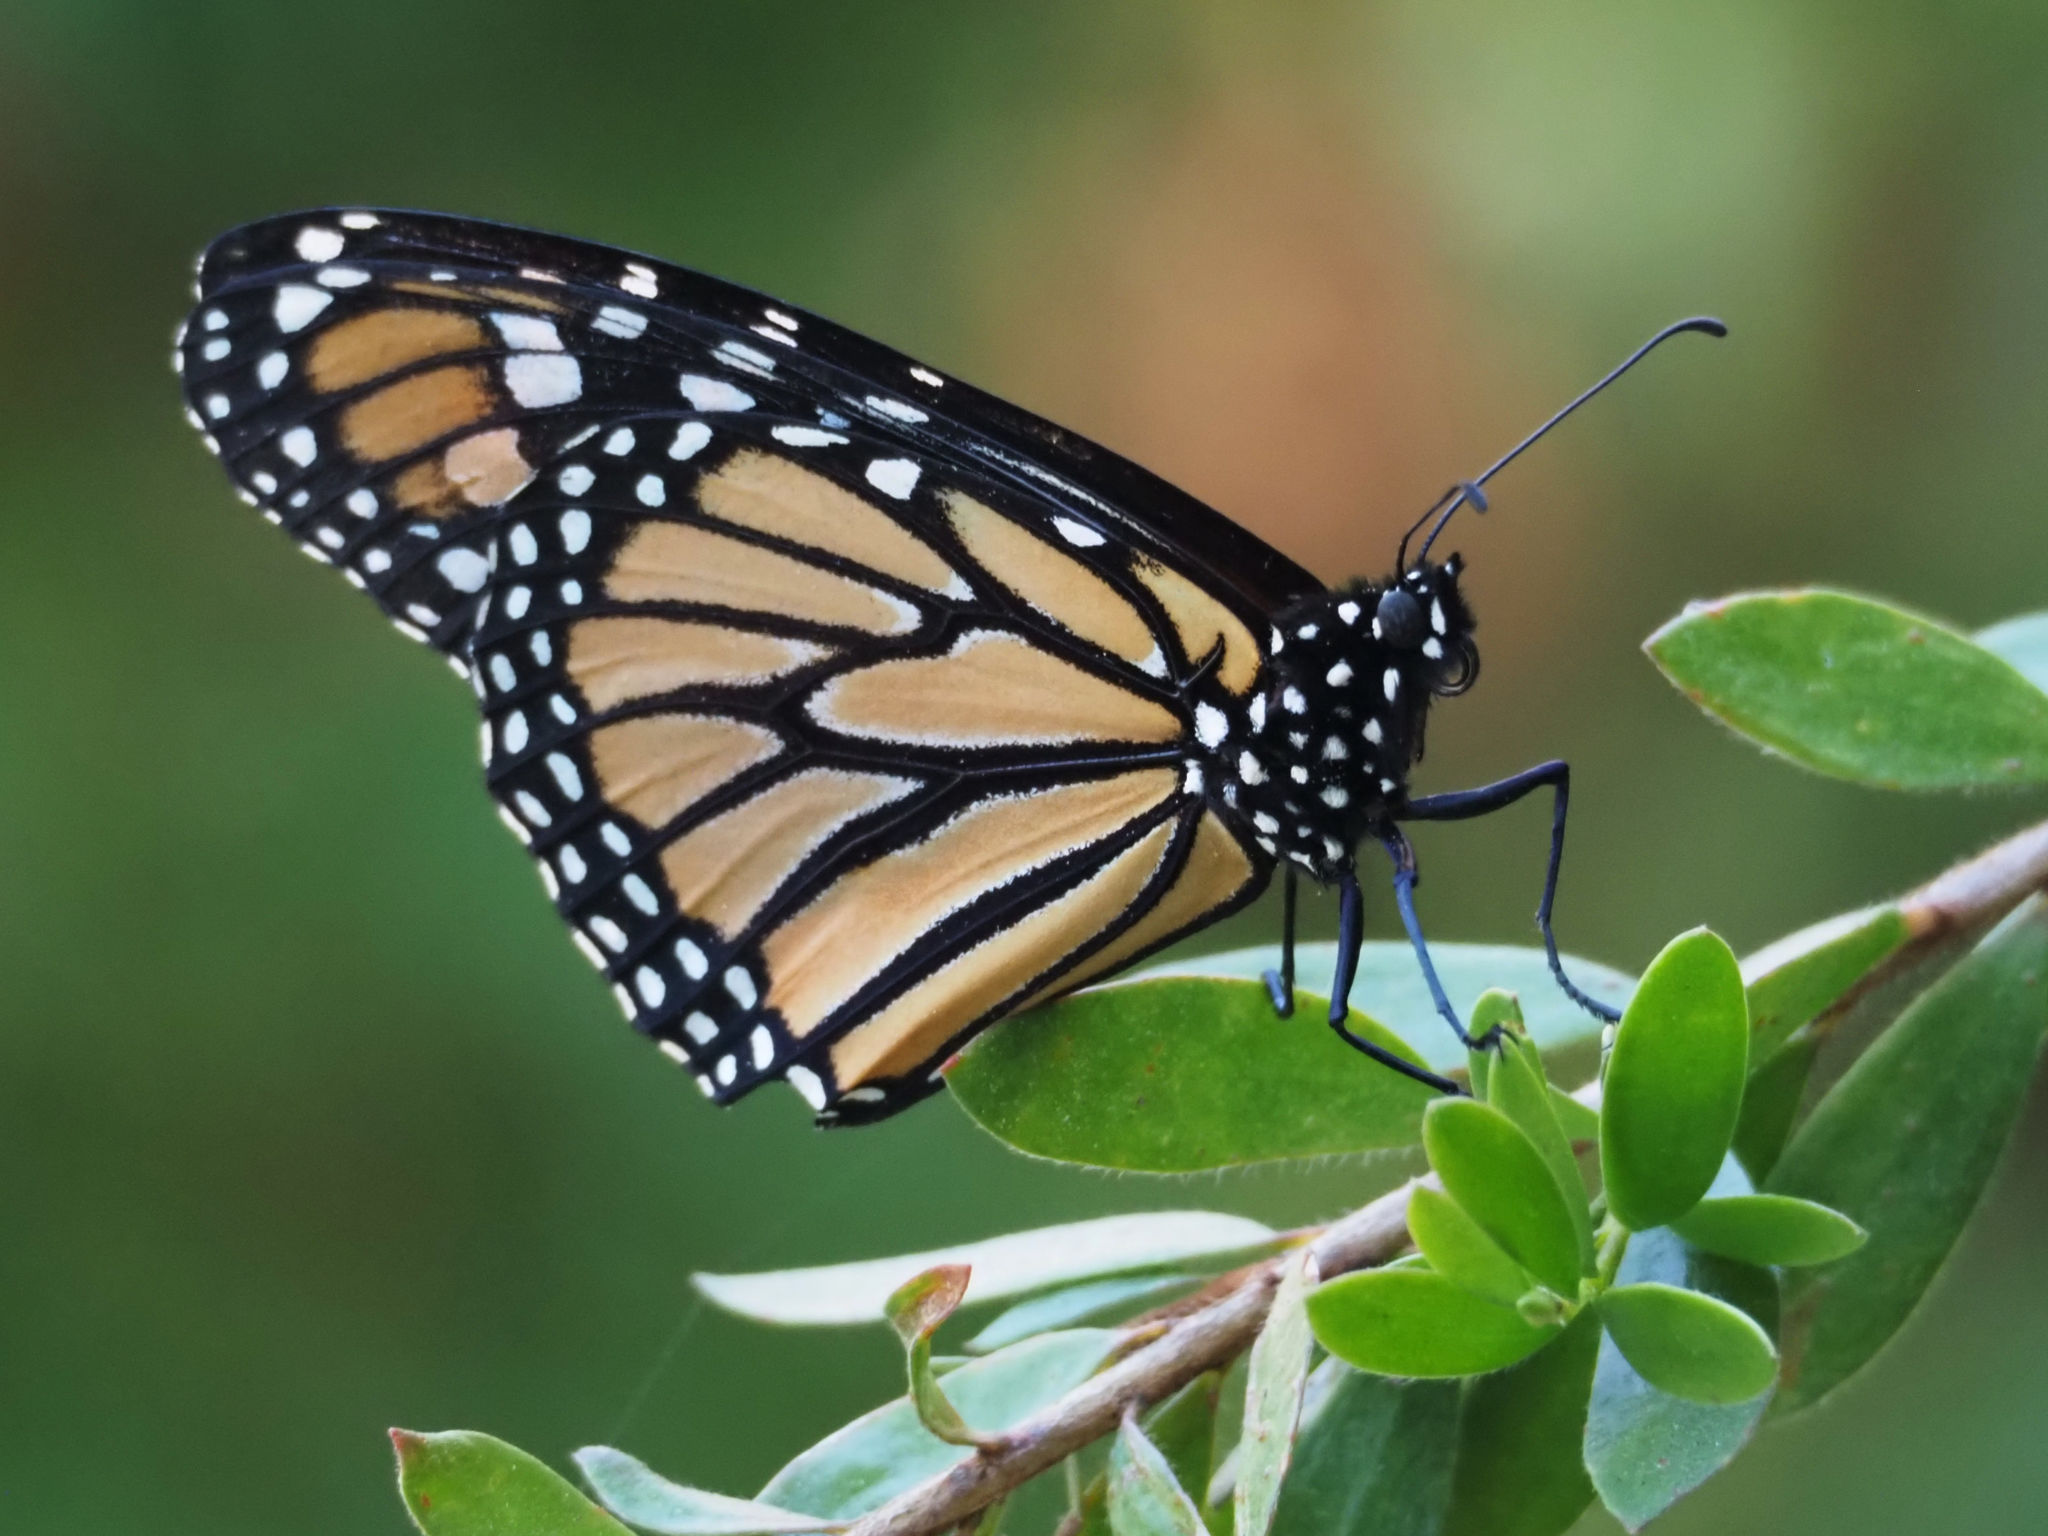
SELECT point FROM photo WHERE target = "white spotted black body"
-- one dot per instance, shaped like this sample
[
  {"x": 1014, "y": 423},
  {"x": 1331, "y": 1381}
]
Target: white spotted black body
[{"x": 1328, "y": 741}]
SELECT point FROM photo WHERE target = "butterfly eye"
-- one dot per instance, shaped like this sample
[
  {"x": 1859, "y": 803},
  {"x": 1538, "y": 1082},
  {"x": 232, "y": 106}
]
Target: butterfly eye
[{"x": 1398, "y": 619}]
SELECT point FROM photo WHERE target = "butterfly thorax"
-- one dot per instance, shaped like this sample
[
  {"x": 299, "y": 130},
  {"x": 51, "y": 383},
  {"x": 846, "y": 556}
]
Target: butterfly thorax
[{"x": 1337, "y": 724}]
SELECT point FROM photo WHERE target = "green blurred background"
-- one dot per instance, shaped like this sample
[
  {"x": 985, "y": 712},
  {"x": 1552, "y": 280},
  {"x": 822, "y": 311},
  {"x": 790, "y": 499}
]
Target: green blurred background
[{"x": 311, "y": 1120}]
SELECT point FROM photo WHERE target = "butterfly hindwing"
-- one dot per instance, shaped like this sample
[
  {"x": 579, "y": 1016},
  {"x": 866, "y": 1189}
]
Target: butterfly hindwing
[{"x": 838, "y": 719}]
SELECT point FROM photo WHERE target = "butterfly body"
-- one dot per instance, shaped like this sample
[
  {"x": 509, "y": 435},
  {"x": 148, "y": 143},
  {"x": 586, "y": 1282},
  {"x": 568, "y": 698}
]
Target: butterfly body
[
  {"x": 1332, "y": 737},
  {"x": 843, "y": 708}
]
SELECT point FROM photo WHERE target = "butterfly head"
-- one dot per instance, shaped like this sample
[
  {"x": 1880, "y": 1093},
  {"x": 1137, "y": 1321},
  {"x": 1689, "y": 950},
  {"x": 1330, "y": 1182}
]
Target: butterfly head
[{"x": 1421, "y": 618}]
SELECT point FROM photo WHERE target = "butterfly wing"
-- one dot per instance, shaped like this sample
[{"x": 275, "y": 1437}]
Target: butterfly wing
[{"x": 843, "y": 707}]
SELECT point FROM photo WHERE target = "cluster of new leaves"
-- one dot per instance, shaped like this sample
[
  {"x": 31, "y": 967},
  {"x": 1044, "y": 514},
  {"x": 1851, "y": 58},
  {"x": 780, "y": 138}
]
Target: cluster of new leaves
[{"x": 1609, "y": 1289}]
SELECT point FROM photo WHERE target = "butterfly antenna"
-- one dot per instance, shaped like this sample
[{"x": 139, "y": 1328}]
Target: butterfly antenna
[{"x": 1469, "y": 490}]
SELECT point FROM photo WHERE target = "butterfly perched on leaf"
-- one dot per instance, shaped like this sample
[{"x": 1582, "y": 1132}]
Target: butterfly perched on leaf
[{"x": 844, "y": 708}]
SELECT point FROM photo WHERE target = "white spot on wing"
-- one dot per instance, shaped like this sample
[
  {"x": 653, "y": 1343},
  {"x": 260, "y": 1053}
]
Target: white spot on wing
[
  {"x": 691, "y": 437},
  {"x": 714, "y": 394},
  {"x": 299, "y": 446},
  {"x": 528, "y": 333},
  {"x": 617, "y": 320},
  {"x": 540, "y": 379},
  {"x": 652, "y": 491},
  {"x": 463, "y": 569},
  {"x": 896, "y": 409},
  {"x": 1079, "y": 534},
  {"x": 296, "y": 305},
  {"x": 806, "y": 437},
  {"x": 315, "y": 243},
  {"x": 575, "y": 530},
  {"x": 1211, "y": 725},
  {"x": 893, "y": 477},
  {"x": 806, "y": 1083}
]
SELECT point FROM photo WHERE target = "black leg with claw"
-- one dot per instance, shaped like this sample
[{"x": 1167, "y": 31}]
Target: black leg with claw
[
  {"x": 1463, "y": 804},
  {"x": 1350, "y": 935}
]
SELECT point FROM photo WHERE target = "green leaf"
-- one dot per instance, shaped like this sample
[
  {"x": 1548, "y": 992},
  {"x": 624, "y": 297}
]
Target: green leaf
[
  {"x": 1689, "y": 1344},
  {"x": 1770, "y": 1104},
  {"x": 1804, "y": 974},
  {"x": 1414, "y": 1322},
  {"x": 1144, "y": 1498},
  {"x": 1858, "y": 689},
  {"x": 461, "y": 1483},
  {"x": 1013, "y": 1265},
  {"x": 1519, "y": 1471},
  {"x": 1518, "y": 1090},
  {"x": 2023, "y": 642},
  {"x": 1177, "y": 1075},
  {"x": 1459, "y": 1250},
  {"x": 1770, "y": 1230},
  {"x": 1275, "y": 1375},
  {"x": 643, "y": 1498},
  {"x": 1646, "y": 1449},
  {"x": 1674, "y": 1082},
  {"x": 868, "y": 1462},
  {"x": 1184, "y": 1429},
  {"x": 915, "y": 1310},
  {"x": 1904, "y": 1145},
  {"x": 1185, "y": 1068},
  {"x": 1490, "y": 1168},
  {"x": 1375, "y": 1461},
  {"x": 1073, "y": 1304},
  {"x": 1580, "y": 1123}
]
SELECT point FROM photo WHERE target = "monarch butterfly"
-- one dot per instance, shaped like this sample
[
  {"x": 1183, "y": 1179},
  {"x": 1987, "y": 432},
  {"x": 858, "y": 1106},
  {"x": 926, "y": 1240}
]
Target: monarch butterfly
[{"x": 844, "y": 708}]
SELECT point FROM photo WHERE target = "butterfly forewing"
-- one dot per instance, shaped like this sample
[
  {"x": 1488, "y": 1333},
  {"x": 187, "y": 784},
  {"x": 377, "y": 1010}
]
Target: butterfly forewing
[{"x": 840, "y": 714}]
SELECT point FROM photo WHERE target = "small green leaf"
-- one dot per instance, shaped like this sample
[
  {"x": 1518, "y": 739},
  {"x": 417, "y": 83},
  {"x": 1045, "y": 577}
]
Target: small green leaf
[
  {"x": 1275, "y": 1375},
  {"x": 461, "y": 1483},
  {"x": 1859, "y": 690},
  {"x": 1518, "y": 1090},
  {"x": 1184, "y": 1068},
  {"x": 1375, "y": 1461},
  {"x": 1674, "y": 1082},
  {"x": 1016, "y": 1264},
  {"x": 1460, "y": 1251},
  {"x": 1644, "y": 1448},
  {"x": 915, "y": 1310},
  {"x": 1413, "y": 1322},
  {"x": 1490, "y": 1168},
  {"x": 1770, "y": 1104},
  {"x": 1083, "y": 1303},
  {"x": 1689, "y": 1344},
  {"x": 868, "y": 1462},
  {"x": 1904, "y": 1145},
  {"x": 646, "y": 1500},
  {"x": 1184, "y": 1429},
  {"x": 1144, "y": 1498},
  {"x": 1580, "y": 1122},
  {"x": 1808, "y": 972},
  {"x": 1770, "y": 1230},
  {"x": 2022, "y": 642},
  {"x": 1519, "y": 1471}
]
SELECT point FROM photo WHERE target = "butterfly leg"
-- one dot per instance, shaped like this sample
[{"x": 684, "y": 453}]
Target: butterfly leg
[
  {"x": 1488, "y": 798},
  {"x": 1280, "y": 983},
  {"x": 1350, "y": 936}
]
